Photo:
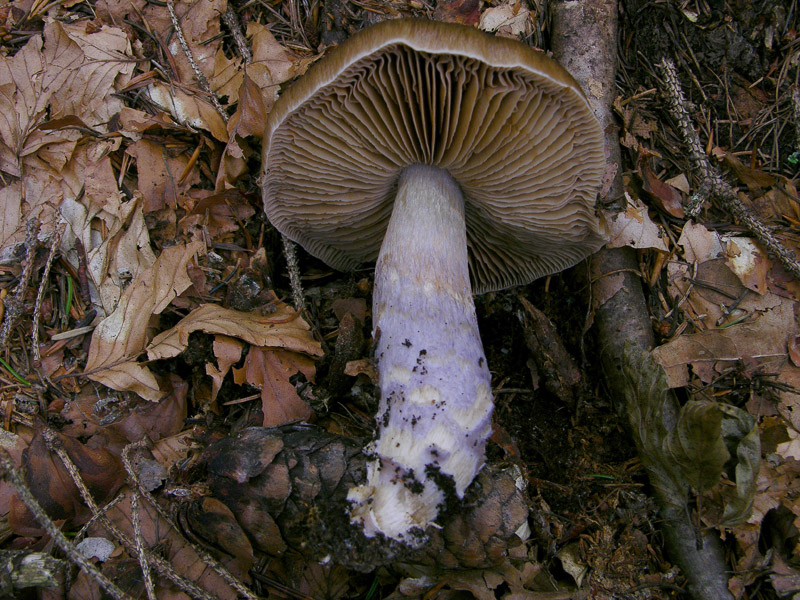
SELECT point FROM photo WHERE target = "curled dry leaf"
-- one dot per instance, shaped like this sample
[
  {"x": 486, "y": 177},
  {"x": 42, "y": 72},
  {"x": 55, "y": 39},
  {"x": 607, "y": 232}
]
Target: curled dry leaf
[
  {"x": 633, "y": 227},
  {"x": 122, "y": 336},
  {"x": 123, "y": 252},
  {"x": 228, "y": 351},
  {"x": 663, "y": 194},
  {"x": 187, "y": 109},
  {"x": 248, "y": 120},
  {"x": 284, "y": 328},
  {"x": 510, "y": 19}
]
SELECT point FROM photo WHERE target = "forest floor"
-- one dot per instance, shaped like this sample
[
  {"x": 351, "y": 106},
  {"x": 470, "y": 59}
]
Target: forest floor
[{"x": 146, "y": 297}]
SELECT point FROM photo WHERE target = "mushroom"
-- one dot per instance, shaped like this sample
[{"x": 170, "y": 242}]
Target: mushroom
[{"x": 447, "y": 155}]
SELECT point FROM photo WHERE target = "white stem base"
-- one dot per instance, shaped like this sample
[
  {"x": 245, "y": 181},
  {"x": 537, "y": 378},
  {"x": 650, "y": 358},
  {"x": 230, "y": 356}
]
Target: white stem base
[{"x": 436, "y": 403}]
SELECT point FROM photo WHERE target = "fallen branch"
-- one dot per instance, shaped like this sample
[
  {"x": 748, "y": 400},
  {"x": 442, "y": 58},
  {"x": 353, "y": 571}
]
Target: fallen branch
[
  {"x": 585, "y": 41},
  {"x": 712, "y": 184},
  {"x": 11, "y": 474},
  {"x": 161, "y": 566}
]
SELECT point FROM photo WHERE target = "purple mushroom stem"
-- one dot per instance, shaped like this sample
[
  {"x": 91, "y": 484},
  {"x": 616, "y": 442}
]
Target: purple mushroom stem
[{"x": 435, "y": 391}]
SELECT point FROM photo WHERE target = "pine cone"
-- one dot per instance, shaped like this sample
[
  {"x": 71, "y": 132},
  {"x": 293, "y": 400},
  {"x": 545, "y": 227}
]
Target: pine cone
[{"x": 288, "y": 485}]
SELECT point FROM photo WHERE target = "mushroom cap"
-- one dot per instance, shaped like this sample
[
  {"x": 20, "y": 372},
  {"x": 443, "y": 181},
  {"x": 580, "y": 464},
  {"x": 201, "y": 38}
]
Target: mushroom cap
[{"x": 508, "y": 123}]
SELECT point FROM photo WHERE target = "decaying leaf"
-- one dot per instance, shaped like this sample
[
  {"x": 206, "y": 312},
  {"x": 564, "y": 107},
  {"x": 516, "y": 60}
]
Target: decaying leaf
[
  {"x": 228, "y": 351},
  {"x": 716, "y": 273},
  {"x": 633, "y": 227},
  {"x": 160, "y": 181},
  {"x": 269, "y": 370},
  {"x": 663, "y": 194},
  {"x": 511, "y": 19},
  {"x": 762, "y": 341},
  {"x": 696, "y": 445},
  {"x": 53, "y": 487},
  {"x": 122, "y": 336},
  {"x": 690, "y": 445},
  {"x": 157, "y": 533},
  {"x": 740, "y": 431},
  {"x": 213, "y": 521}
]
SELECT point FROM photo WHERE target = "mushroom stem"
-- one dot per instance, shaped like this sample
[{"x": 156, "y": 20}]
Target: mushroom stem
[{"x": 435, "y": 409}]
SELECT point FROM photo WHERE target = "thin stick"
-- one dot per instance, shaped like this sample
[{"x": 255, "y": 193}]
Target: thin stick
[
  {"x": 290, "y": 252},
  {"x": 161, "y": 566},
  {"x": 229, "y": 578},
  {"x": 232, "y": 21},
  {"x": 711, "y": 182},
  {"x": 796, "y": 107},
  {"x": 201, "y": 78},
  {"x": 141, "y": 555},
  {"x": 14, "y": 306},
  {"x": 37, "y": 309},
  {"x": 10, "y": 473}
]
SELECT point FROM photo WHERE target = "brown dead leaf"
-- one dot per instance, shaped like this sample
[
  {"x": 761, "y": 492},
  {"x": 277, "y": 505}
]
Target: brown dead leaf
[
  {"x": 269, "y": 370},
  {"x": 794, "y": 350},
  {"x": 710, "y": 352},
  {"x": 466, "y": 12},
  {"x": 123, "y": 253},
  {"x": 284, "y": 328},
  {"x": 53, "y": 487},
  {"x": 248, "y": 120},
  {"x": 188, "y": 110},
  {"x": 748, "y": 262},
  {"x": 633, "y": 227},
  {"x": 106, "y": 67},
  {"x": 121, "y": 337},
  {"x": 509, "y": 19},
  {"x": 228, "y": 351},
  {"x": 272, "y": 64},
  {"x": 708, "y": 284},
  {"x": 666, "y": 197},
  {"x": 251, "y": 114},
  {"x": 160, "y": 174},
  {"x": 132, "y": 121},
  {"x": 12, "y": 227},
  {"x": 218, "y": 213},
  {"x": 324, "y": 581},
  {"x": 201, "y": 26},
  {"x": 174, "y": 449},
  {"x": 154, "y": 421},
  {"x": 754, "y": 179}
]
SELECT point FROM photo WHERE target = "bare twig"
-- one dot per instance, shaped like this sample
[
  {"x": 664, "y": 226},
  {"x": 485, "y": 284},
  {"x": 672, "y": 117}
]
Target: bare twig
[
  {"x": 209, "y": 560},
  {"x": 14, "y": 307},
  {"x": 796, "y": 108},
  {"x": 201, "y": 78},
  {"x": 10, "y": 473},
  {"x": 712, "y": 183},
  {"x": 161, "y": 566},
  {"x": 290, "y": 252},
  {"x": 232, "y": 21},
  {"x": 141, "y": 554},
  {"x": 37, "y": 308}
]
